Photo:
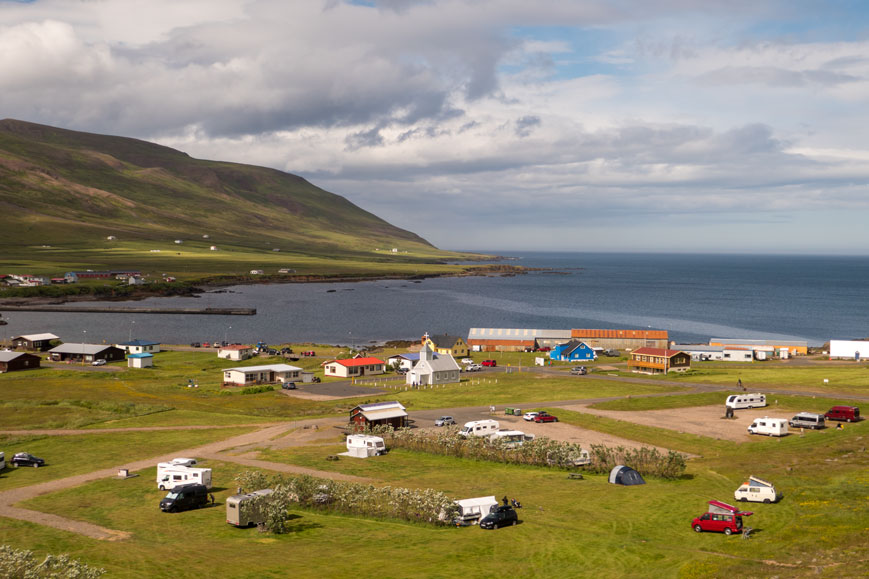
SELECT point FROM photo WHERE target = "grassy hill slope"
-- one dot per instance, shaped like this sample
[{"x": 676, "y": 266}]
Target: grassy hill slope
[{"x": 71, "y": 190}]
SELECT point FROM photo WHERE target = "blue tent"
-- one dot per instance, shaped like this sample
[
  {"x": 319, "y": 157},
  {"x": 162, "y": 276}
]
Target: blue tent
[{"x": 625, "y": 475}]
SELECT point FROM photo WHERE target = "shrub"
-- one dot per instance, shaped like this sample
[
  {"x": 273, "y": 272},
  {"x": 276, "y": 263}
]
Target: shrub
[{"x": 17, "y": 563}]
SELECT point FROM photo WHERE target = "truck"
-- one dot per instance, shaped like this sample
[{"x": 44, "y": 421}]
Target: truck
[
  {"x": 769, "y": 426},
  {"x": 248, "y": 509},
  {"x": 480, "y": 428},
  {"x": 170, "y": 475},
  {"x": 757, "y": 491}
]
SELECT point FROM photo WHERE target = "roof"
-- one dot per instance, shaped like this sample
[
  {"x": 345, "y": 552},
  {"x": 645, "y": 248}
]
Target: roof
[
  {"x": 516, "y": 334},
  {"x": 37, "y": 337},
  {"x": 139, "y": 343},
  {"x": 80, "y": 348},
  {"x": 698, "y": 348},
  {"x": 444, "y": 340},
  {"x": 441, "y": 364},
  {"x": 380, "y": 405},
  {"x": 143, "y": 355},
  {"x": 383, "y": 414},
  {"x": 635, "y": 334},
  {"x": 348, "y": 362},
  {"x": 572, "y": 346},
  {"x": 411, "y": 356},
  {"x": 656, "y": 352},
  {"x": 7, "y": 356},
  {"x": 266, "y": 368},
  {"x": 743, "y": 342}
]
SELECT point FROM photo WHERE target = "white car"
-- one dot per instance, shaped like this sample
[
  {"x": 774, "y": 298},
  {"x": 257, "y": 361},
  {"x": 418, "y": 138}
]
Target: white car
[
  {"x": 99, "y": 362},
  {"x": 473, "y": 368},
  {"x": 530, "y": 416},
  {"x": 467, "y": 360}
]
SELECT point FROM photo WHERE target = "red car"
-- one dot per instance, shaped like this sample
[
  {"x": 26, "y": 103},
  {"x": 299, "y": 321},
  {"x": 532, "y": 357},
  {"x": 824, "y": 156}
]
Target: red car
[
  {"x": 491, "y": 363},
  {"x": 721, "y": 518},
  {"x": 545, "y": 417}
]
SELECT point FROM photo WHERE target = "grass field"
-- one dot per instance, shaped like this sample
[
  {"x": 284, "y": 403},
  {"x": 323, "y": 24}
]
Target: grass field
[{"x": 583, "y": 528}]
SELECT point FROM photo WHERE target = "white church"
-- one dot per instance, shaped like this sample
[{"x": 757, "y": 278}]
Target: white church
[{"x": 430, "y": 370}]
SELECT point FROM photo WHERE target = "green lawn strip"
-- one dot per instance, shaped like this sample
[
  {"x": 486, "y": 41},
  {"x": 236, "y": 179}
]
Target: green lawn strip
[
  {"x": 568, "y": 527},
  {"x": 182, "y": 418},
  {"x": 775, "y": 402},
  {"x": 77, "y": 454},
  {"x": 841, "y": 379}
]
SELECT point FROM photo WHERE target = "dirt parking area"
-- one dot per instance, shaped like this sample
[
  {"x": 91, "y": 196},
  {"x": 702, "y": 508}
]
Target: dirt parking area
[
  {"x": 329, "y": 391},
  {"x": 702, "y": 420}
]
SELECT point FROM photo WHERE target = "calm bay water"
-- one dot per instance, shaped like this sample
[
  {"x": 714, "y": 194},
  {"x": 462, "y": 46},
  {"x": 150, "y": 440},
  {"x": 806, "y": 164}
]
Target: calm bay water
[{"x": 695, "y": 297}]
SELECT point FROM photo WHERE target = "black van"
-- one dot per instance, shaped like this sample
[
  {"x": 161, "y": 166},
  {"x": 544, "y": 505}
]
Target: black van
[{"x": 184, "y": 498}]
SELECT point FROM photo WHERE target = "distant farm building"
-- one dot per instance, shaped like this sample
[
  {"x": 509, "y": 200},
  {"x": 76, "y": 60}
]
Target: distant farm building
[
  {"x": 779, "y": 348},
  {"x": 523, "y": 339},
  {"x": 37, "y": 342},
  {"x": 622, "y": 339},
  {"x": 849, "y": 349},
  {"x": 12, "y": 361},
  {"x": 379, "y": 414},
  {"x": 705, "y": 353},
  {"x": 659, "y": 361}
]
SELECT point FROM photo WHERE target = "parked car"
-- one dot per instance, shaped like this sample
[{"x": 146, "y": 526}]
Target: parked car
[
  {"x": 579, "y": 371},
  {"x": 530, "y": 416},
  {"x": 445, "y": 421},
  {"x": 545, "y": 417},
  {"x": 473, "y": 368},
  {"x": 184, "y": 498},
  {"x": 611, "y": 353},
  {"x": 401, "y": 370},
  {"x": 26, "y": 459},
  {"x": 98, "y": 362},
  {"x": 721, "y": 518},
  {"x": 195, "y": 344},
  {"x": 288, "y": 385},
  {"x": 490, "y": 363},
  {"x": 499, "y": 516},
  {"x": 845, "y": 413},
  {"x": 309, "y": 353},
  {"x": 206, "y": 344},
  {"x": 315, "y": 379}
]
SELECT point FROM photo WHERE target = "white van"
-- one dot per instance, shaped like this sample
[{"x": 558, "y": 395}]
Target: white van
[
  {"x": 757, "y": 491},
  {"x": 365, "y": 445},
  {"x": 511, "y": 438},
  {"x": 808, "y": 420},
  {"x": 769, "y": 426},
  {"x": 480, "y": 428},
  {"x": 170, "y": 476},
  {"x": 736, "y": 401}
]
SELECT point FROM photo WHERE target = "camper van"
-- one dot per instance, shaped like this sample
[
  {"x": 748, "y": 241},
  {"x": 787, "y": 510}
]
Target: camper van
[
  {"x": 472, "y": 510},
  {"x": 757, "y": 491},
  {"x": 846, "y": 413},
  {"x": 769, "y": 426},
  {"x": 184, "y": 498},
  {"x": 480, "y": 428},
  {"x": 807, "y": 420},
  {"x": 364, "y": 445},
  {"x": 737, "y": 401},
  {"x": 170, "y": 475},
  {"x": 721, "y": 518},
  {"x": 245, "y": 510},
  {"x": 511, "y": 438}
]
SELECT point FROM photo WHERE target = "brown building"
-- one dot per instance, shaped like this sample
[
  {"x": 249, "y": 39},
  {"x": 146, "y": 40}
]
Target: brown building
[
  {"x": 37, "y": 342},
  {"x": 85, "y": 353},
  {"x": 622, "y": 339},
  {"x": 379, "y": 414},
  {"x": 659, "y": 361},
  {"x": 11, "y": 361}
]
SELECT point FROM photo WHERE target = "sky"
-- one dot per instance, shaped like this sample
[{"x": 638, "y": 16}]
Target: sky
[{"x": 587, "y": 125}]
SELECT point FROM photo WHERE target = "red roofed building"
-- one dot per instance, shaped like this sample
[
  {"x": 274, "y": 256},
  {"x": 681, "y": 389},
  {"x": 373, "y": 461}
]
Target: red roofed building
[
  {"x": 354, "y": 367},
  {"x": 235, "y": 352},
  {"x": 659, "y": 361}
]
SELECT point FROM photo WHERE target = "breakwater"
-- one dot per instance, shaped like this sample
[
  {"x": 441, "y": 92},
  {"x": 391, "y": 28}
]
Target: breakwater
[{"x": 129, "y": 310}]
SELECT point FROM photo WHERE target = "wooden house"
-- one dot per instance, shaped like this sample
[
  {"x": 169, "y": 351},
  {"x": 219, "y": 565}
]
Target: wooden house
[{"x": 659, "y": 361}]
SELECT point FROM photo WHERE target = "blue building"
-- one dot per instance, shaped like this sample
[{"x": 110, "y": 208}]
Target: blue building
[{"x": 572, "y": 351}]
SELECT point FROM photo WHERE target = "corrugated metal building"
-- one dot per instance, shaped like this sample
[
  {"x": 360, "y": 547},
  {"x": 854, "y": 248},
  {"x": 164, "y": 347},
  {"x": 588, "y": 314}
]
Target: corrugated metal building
[{"x": 622, "y": 339}]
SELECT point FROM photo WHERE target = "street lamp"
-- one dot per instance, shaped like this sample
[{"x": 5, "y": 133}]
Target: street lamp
[
  {"x": 130, "y": 338},
  {"x": 225, "y": 332},
  {"x": 83, "y": 340}
]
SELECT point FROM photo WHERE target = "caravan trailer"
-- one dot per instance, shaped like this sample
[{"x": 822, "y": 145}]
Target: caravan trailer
[
  {"x": 364, "y": 445},
  {"x": 511, "y": 438},
  {"x": 737, "y": 401},
  {"x": 170, "y": 475},
  {"x": 769, "y": 426},
  {"x": 472, "y": 510},
  {"x": 245, "y": 510},
  {"x": 480, "y": 428}
]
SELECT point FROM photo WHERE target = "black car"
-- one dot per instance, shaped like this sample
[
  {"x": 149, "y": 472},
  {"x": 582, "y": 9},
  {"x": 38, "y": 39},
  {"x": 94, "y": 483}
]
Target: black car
[
  {"x": 184, "y": 498},
  {"x": 499, "y": 516},
  {"x": 288, "y": 385},
  {"x": 27, "y": 459}
]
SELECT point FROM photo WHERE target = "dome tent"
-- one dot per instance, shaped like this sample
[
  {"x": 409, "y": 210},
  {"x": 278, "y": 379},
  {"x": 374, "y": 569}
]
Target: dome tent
[{"x": 625, "y": 475}]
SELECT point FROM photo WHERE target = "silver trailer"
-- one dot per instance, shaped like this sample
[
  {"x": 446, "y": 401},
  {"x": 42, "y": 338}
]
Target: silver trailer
[{"x": 247, "y": 509}]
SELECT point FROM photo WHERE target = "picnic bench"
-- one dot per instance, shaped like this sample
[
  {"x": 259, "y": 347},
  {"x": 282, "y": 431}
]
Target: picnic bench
[{"x": 575, "y": 475}]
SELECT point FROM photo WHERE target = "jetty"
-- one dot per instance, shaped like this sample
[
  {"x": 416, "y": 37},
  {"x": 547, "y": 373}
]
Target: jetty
[{"x": 129, "y": 310}]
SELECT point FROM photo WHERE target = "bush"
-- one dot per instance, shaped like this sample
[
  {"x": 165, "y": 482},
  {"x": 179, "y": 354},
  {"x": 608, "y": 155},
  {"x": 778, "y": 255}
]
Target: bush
[
  {"x": 257, "y": 389},
  {"x": 21, "y": 564}
]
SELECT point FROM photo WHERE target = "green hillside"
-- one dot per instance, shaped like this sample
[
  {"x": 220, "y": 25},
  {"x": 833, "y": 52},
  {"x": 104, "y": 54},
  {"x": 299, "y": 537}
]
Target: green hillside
[{"x": 63, "y": 193}]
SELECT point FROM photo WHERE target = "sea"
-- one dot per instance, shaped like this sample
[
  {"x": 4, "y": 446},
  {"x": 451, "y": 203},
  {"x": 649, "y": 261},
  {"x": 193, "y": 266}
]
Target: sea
[{"x": 695, "y": 297}]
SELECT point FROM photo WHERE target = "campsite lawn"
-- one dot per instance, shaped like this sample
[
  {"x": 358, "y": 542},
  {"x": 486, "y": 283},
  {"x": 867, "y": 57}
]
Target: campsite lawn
[
  {"x": 781, "y": 402},
  {"x": 841, "y": 378},
  {"x": 569, "y": 528}
]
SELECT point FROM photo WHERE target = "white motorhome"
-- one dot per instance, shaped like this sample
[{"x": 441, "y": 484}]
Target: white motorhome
[
  {"x": 757, "y": 491},
  {"x": 171, "y": 475},
  {"x": 365, "y": 445},
  {"x": 512, "y": 438},
  {"x": 737, "y": 401},
  {"x": 472, "y": 510},
  {"x": 245, "y": 510},
  {"x": 769, "y": 426},
  {"x": 480, "y": 428}
]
